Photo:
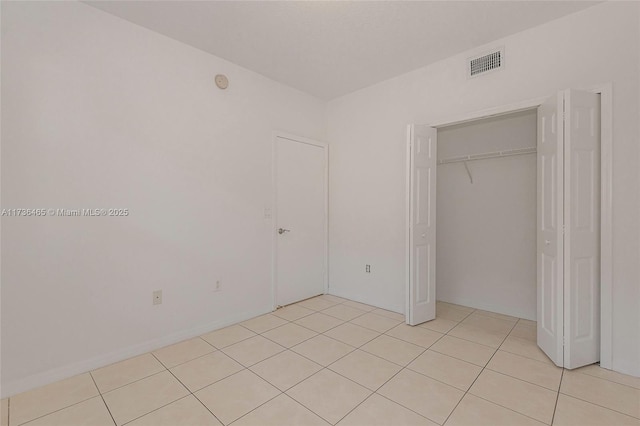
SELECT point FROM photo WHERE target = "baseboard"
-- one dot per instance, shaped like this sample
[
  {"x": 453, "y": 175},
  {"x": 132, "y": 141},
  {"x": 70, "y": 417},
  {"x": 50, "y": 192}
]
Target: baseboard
[{"x": 44, "y": 378}]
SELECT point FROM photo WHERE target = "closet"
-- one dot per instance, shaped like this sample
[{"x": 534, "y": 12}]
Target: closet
[
  {"x": 486, "y": 214},
  {"x": 492, "y": 226}
]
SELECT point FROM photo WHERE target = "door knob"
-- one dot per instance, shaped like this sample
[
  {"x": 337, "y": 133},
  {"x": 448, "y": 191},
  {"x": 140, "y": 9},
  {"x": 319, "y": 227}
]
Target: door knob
[
  {"x": 424, "y": 235},
  {"x": 282, "y": 230},
  {"x": 547, "y": 242}
]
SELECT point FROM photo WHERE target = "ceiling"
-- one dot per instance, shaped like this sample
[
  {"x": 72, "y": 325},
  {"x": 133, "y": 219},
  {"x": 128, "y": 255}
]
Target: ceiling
[{"x": 331, "y": 48}]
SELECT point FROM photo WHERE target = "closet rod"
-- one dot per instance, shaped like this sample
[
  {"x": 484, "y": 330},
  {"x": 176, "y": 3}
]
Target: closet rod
[{"x": 495, "y": 154}]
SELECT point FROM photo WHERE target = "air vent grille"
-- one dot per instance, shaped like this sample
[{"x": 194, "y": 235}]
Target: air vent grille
[{"x": 486, "y": 62}]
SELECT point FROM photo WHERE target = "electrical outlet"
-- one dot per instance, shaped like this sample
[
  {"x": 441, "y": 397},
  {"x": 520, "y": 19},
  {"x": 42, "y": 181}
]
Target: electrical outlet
[
  {"x": 157, "y": 297},
  {"x": 218, "y": 286},
  {"x": 367, "y": 268}
]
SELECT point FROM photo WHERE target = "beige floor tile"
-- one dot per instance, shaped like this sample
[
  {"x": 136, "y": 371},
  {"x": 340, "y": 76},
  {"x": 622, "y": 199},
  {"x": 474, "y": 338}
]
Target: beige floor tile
[
  {"x": 205, "y": 370},
  {"x": 263, "y": 323},
  {"x": 289, "y": 334},
  {"x": 286, "y": 369},
  {"x": 332, "y": 298},
  {"x": 496, "y": 315},
  {"x": 323, "y": 349},
  {"x": 182, "y": 352},
  {"x": 380, "y": 411},
  {"x": 425, "y": 396},
  {"x": 352, "y": 334},
  {"x": 465, "y": 309},
  {"x": 317, "y": 303},
  {"x": 368, "y": 370},
  {"x": 292, "y": 312},
  {"x": 525, "y": 331},
  {"x": 574, "y": 412},
  {"x": 345, "y": 313},
  {"x": 392, "y": 349},
  {"x": 416, "y": 335},
  {"x": 187, "y": 411},
  {"x": 319, "y": 322},
  {"x": 451, "y": 313},
  {"x": 440, "y": 325},
  {"x": 281, "y": 411},
  {"x": 252, "y": 350},
  {"x": 605, "y": 393},
  {"x": 358, "y": 305},
  {"x": 529, "y": 370},
  {"x": 597, "y": 371},
  {"x": 488, "y": 323},
  {"x": 236, "y": 395},
  {"x": 47, "y": 399},
  {"x": 228, "y": 336},
  {"x": 90, "y": 412},
  {"x": 142, "y": 397},
  {"x": 375, "y": 322},
  {"x": 477, "y": 335},
  {"x": 523, "y": 397},
  {"x": 525, "y": 348},
  {"x": 452, "y": 371},
  {"x": 329, "y": 395},
  {"x": 474, "y": 411},
  {"x": 122, "y": 373},
  {"x": 4, "y": 412},
  {"x": 463, "y": 349},
  {"x": 389, "y": 314}
]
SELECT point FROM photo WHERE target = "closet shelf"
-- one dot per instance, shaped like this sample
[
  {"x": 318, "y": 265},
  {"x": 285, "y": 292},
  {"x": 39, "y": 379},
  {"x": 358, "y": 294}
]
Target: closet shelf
[{"x": 495, "y": 154}]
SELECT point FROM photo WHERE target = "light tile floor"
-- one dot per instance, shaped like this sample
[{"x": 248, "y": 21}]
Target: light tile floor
[{"x": 328, "y": 360}]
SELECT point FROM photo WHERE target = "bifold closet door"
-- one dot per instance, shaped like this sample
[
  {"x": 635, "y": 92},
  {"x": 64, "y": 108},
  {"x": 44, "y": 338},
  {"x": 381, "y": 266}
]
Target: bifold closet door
[
  {"x": 568, "y": 241},
  {"x": 422, "y": 162}
]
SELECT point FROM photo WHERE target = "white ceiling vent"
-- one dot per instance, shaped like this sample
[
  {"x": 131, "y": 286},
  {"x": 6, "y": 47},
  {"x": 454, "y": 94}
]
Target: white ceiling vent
[{"x": 482, "y": 64}]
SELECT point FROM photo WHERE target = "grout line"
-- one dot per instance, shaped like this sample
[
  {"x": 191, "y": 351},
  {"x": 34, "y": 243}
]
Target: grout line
[
  {"x": 59, "y": 409},
  {"x": 479, "y": 374},
  {"x": 555, "y": 407},
  {"x": 102, "y": 397},
  {"x": 598, "y": 405}
]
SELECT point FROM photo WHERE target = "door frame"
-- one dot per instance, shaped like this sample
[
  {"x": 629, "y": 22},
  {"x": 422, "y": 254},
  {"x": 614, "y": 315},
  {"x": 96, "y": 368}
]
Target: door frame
[
  {"x": 606, "y": 199},
  {"x": 274, "y": 208}
]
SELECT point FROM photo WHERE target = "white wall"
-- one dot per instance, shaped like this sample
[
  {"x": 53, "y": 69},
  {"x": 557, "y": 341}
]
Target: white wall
[
  {"x": 98, "y": 112},
  {"x": 367, "y": 129},
  {"x": 486, "y": 233}
]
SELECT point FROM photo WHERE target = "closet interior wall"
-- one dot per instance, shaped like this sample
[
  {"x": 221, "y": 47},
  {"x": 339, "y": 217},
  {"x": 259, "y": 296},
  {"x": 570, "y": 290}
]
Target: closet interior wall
[{"x": 486, "y": 217}]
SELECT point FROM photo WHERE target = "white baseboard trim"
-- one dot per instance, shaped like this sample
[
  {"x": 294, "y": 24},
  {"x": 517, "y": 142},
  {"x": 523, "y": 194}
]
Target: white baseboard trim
[{"x": 46, "y": 377}]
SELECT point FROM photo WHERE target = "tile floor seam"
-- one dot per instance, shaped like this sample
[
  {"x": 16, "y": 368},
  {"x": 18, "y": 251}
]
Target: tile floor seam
[
  {"x": 518, "y": 378},
  {"x": 55, "y": 411},
  {"x": 400, "y": 338},
  {"x": 349, "y": 320},
  {"x": 191, "y": 393},
  {"x": 555, "y": 407},
  {"x": 479, "y": 374},
  {"x": 601, "y": 406},
  {"x": 507, "y": 408},
  {"x": 130, "y": 383},
  {"x": 224, "y": 347},
  {"x": 357, "y": 347},
  {"x": 387, "y": 381},
  {"x": 299, "y": 343},
  {"x": 602, "y": 378},
  {"x": 102, "y": 397},
  {"x": 297, "y": 383}
]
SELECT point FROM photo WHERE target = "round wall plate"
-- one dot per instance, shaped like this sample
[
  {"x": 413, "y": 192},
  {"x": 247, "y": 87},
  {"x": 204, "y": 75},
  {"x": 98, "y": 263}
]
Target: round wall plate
[{"x": 221, "y": 81}]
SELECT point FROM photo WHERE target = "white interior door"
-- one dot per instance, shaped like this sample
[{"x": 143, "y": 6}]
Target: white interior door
[
  {"x": 582, "y": 228},
  {"x": 422, "y": 162},
  {"x": 300, "y": 219},
  {"x": 550, "y": 240},
  {"x": 569, "y": 228}
]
